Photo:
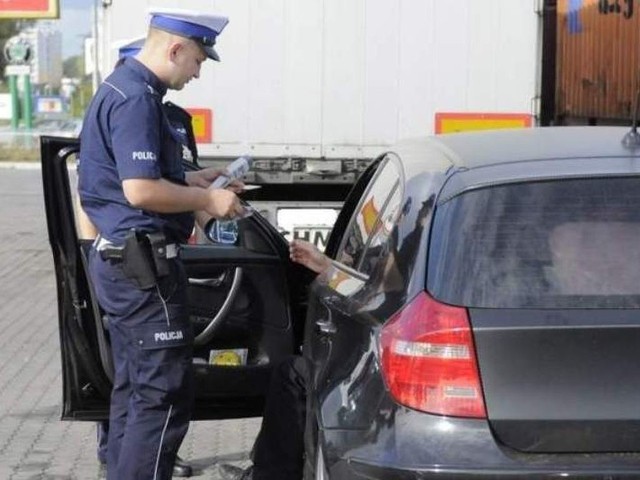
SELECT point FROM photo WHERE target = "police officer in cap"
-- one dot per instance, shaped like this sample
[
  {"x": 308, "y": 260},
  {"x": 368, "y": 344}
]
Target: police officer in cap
[
  {"x": 134, "y": 190},
  {"x": 180, "y": 120}
]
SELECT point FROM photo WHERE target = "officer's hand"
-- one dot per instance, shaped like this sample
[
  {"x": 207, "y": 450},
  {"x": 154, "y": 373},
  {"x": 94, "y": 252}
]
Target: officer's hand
[
  {"x": 236, "y": 186},
  {"x": 223, "y": 204},
  {"x": 202, "y": 178}
]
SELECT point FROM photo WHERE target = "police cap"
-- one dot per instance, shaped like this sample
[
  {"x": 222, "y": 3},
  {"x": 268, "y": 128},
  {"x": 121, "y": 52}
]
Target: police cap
[{"x": 199, "y": 27}]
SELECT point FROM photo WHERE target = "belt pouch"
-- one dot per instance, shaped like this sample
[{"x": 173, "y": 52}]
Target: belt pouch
[
  {"x": 158, "y": 242},
  {"x": 137, "y": 261}
]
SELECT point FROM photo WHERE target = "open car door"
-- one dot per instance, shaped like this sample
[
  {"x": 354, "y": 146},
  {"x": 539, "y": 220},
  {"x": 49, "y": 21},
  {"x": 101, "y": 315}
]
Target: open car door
[{"x": 245, "y": 316}]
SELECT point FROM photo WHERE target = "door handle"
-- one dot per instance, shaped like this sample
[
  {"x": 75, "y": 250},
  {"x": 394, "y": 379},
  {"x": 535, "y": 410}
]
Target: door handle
[
  {"x": 326, "y": 326},
  {"x": 205, "y": 282},
  {"x": 208, "y": 282}
]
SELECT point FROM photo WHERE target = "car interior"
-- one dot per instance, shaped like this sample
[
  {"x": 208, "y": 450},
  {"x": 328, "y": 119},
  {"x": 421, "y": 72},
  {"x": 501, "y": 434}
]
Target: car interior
[{"x": 240, "y": 304}]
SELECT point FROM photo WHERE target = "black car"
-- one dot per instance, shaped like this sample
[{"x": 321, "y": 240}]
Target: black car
[{"x": 481, "y": 318}]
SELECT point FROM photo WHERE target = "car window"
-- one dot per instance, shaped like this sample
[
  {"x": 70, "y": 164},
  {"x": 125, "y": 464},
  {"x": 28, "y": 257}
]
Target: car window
[
  {"x": 378, "y": 246},
  {"x": 370, "y": 225},
  {"x": 553, "y": 244}
]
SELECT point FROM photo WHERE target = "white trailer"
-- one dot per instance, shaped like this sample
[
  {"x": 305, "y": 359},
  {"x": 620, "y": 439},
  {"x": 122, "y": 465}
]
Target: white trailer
[{"x": 314, "y": 89}]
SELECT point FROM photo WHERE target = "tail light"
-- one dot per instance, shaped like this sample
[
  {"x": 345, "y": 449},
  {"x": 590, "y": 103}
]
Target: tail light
[{"x": 429, "y": 359}]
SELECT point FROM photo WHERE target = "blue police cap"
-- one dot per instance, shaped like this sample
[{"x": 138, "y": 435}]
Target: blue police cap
[
  {"x": 130, "y": 48},
  {"x": 199, "y": 27}
]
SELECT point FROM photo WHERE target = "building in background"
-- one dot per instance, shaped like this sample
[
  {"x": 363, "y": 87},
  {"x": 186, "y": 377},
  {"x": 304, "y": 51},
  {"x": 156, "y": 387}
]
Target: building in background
[{"x": 46, "y": 58}]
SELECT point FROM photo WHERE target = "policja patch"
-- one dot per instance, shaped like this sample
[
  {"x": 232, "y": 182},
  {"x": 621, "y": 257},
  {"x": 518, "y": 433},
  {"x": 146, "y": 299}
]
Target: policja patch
[{"x": 161, "y": 335}]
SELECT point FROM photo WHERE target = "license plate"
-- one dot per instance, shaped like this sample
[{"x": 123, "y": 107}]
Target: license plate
[
  {"x": 310, "y": 224},
  {"x": 318, "y": 235}
]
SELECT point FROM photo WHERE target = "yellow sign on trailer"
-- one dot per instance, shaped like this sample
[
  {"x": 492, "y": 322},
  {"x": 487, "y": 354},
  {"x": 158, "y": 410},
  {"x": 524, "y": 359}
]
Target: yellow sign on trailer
[{"x": 450, "y": 122}]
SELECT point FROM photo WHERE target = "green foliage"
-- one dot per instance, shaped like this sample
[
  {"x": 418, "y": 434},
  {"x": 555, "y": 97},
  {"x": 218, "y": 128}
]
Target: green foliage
[
  {"x": 81, "y": 97},
  {"x": 73, "y": 67},
  {"x": 9, "y": 28}
]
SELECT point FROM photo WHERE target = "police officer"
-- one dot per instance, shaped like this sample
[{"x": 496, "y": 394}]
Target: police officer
[
  {"x": 180, "y": 120},
  {"x": 133, "y": 188}
]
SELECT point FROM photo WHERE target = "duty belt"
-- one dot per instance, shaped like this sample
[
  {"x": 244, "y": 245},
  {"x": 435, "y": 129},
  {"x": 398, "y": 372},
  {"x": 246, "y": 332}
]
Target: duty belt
[{"x": 111, "y": 251}]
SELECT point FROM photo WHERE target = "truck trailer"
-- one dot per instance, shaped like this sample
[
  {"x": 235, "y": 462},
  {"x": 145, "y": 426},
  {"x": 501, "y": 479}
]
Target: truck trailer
[{"x": 314, "y": 90}]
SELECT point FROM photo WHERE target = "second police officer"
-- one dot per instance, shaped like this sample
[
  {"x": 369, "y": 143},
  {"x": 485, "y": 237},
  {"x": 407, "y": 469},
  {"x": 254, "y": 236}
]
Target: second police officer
[{"x": 134, "y": 190}]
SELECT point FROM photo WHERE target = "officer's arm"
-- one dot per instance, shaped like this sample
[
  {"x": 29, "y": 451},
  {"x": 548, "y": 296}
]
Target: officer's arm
[{"x": 162, "y": 196}]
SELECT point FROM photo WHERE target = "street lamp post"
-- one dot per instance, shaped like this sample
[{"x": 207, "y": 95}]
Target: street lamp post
[{"x": 95, "y": 80}]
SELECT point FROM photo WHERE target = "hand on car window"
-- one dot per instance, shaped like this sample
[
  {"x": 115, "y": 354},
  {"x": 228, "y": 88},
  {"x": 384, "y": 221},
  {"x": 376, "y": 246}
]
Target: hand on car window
[{"x": 307, "y": 254}]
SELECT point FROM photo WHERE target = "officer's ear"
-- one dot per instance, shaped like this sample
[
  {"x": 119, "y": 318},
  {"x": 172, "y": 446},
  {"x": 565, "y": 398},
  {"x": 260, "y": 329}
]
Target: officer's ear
[{"x": 174, "y": 50}]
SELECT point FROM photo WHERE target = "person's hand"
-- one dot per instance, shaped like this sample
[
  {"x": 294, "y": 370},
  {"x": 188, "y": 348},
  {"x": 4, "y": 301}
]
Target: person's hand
[
  {"x": 236, "y": 186},
  {"x": 307, "y": 254},
  {"x": 223, "y": 204},
  {"x": 203, "y": 178}
]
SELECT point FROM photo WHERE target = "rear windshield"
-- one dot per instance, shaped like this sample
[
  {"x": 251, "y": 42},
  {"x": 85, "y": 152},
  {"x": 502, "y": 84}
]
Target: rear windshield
[{"x": 553, "y": 244}]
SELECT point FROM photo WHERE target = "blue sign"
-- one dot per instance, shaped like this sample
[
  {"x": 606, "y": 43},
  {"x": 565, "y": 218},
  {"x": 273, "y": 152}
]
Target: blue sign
[{"x": 573, "y": 17}]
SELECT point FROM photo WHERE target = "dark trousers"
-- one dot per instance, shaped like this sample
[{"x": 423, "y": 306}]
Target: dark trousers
[
  {"x": 152, "y": 396},
  {"x": 278, "y": 452}
]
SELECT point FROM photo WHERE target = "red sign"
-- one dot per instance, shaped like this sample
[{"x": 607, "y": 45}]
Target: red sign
[{"x": 29, "y": 9}]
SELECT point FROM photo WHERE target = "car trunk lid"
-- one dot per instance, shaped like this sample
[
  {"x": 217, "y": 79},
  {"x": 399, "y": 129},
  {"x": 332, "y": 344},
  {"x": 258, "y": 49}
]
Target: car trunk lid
[{"x": 562, "y": 380}]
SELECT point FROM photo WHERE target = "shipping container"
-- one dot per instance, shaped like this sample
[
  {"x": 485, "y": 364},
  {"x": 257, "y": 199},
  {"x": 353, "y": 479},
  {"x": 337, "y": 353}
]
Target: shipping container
[{"x": 598, "y": 60}]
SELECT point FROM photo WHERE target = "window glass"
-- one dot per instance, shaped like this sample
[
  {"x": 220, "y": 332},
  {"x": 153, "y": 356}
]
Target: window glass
[
  {"x": 378, "y": 245},
  {"x": 367, "y": 223},
  {"x": 554, "y": 244}
]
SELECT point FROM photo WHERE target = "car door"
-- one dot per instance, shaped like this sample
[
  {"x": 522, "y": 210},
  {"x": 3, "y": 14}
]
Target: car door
[
  {"x": 244, "y": 314},
  {"x": 338, "y": 339}
]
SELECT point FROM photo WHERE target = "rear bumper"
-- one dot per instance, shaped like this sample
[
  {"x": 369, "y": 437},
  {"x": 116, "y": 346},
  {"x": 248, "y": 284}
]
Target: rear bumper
[
  {"x": 360, "y": 470},
  {"x": 414, "y": 445}
]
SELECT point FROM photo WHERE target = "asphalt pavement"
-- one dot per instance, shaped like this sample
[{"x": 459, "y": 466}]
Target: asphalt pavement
[{"x": 34, "y": 443}]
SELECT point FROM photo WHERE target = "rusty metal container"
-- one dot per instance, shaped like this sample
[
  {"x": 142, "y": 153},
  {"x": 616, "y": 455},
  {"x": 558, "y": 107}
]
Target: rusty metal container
[{"x": 598, "y": 59}]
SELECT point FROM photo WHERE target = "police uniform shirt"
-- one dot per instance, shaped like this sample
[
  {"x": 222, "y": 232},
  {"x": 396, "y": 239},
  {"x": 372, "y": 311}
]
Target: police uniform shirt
[{"x": 126, "y": 135}]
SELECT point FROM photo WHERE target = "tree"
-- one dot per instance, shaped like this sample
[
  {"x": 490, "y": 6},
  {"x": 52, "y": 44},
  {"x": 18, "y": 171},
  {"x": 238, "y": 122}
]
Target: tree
[
  {"x": 81, "y": 97},
  {"x": 73, "y": 67}
]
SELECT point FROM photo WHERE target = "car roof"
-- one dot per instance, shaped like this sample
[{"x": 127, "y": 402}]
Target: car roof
[
  {"x": 500, "y": 146},
  {"x": 476, "y": 159},
  {"x": 489, "y": 147}
]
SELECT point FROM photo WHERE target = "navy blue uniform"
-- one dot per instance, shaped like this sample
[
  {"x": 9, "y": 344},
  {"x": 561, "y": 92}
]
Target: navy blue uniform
[{"x": 126, "y": 135}]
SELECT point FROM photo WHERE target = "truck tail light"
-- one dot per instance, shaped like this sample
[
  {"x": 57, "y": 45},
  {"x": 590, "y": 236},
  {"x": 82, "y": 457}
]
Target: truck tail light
[{"x": 429, "y": 359}]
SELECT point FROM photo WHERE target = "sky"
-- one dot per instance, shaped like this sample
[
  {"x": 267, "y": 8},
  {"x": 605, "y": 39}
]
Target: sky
[{"x": 75, "y": 24}]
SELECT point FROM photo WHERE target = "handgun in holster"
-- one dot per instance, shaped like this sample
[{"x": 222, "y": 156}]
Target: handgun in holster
[
  {"x": 143, "y": 257},
  {"x": 137, "y": 260}
]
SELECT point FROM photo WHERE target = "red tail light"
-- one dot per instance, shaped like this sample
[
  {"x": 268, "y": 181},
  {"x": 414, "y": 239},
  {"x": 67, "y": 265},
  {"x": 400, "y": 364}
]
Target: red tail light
[{"x": 429, "y": 359}]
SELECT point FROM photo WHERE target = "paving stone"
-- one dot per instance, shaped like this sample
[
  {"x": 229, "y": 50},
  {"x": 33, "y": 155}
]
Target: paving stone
[{"x": 34, "y": 443}]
